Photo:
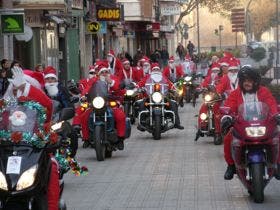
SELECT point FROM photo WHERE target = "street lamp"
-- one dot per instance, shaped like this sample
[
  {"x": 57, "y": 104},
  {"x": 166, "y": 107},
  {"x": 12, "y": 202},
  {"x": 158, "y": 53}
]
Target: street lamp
[{"x": 248, "y": 23}]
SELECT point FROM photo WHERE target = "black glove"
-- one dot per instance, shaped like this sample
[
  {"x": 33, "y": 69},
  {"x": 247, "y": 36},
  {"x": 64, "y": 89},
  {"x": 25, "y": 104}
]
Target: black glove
[
  {"x": 226, "y": 123},
  {"x": 277, "y": 118}
]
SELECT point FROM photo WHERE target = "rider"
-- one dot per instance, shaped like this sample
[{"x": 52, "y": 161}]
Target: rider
[
  {"x": 115, "y": 65},
  {"x": 249, "y": 90},
  {"x": 188, "y": 65},
  {"x": 173, "y": 72},
  {"x": 103, "y": 74},
  {"x": 173, "y": 104},
  {"x": 128, "y": 72},
  {"x": 20, "y": 87}
]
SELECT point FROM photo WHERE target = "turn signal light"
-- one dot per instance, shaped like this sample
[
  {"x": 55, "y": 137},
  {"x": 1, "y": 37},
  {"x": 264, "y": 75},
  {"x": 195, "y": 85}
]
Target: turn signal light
[
  {"x": 146, "y": 104},
  {"x": 113, "y": 103},
  {"x": 157, "y": 87}
]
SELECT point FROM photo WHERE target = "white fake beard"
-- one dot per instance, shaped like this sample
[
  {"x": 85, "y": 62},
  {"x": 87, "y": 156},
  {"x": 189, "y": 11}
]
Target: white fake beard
[
  {"x": 52, "y": 88},
  {"x": 232, "y": 77},
  {"x": 102, "y": 78},
  {"x": 213, "y": 75},
  {"x": 110, "y": 59},
  {"x": 146, "y": 69},
  {"x": 91, "y": 76},
  {"x": 171, "y": 65}
]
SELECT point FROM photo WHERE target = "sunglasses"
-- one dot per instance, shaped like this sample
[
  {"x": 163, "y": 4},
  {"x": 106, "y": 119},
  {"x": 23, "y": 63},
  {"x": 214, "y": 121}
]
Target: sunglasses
[{"x": 92, "y": 72}]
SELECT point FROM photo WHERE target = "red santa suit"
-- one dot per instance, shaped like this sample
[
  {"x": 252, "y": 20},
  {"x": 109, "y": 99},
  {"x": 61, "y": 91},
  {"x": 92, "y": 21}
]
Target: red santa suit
[
  {"x": 131, "y": 74},
  {"x": 235, "y": 99},
  {"x": 116, "y": 65},
  {"x": 118, "y": 113},
  {"x": 174, "y": 73}
]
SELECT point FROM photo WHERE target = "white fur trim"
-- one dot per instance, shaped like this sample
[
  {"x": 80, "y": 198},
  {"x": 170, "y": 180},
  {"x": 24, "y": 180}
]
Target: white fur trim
[
  {"x": 224, "y": 64},
  {"x": 32, "y": 81},
  {"x": 50, "y": 75},
  {"x": 103, "y": 69},
  {"x": 26, "y": 89},
  {"x": 233, "y": 67},
  {"x": 226, "y": 116}
]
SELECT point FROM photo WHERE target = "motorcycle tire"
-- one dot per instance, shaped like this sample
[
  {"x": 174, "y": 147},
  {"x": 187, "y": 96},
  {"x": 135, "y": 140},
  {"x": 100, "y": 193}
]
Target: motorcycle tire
[
  {"x": 73, "y": 143},
  {"x": 126, "y": 109},
  {"x": 188, "y": 96},
  {"x": 157, "y": 128},
  {"x": 100, "y": 148},
  {"x": 257, "y": 171},
  {"x": 218, "y": 140},
  {"x": 40, "y": 202}
]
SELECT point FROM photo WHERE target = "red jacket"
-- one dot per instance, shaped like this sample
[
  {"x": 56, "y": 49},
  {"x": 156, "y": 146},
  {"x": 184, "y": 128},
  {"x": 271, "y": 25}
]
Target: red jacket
[
  {"x": 83, "y": 84},
  {"x": 208, "y": 80},
  {"x": 178, "y": 72},
  {"x": 117, "y": 67},
  {"x": 225, "y": 87},
  {"x": 263, "y": 94},
  {"x": 130, "y": 74}
]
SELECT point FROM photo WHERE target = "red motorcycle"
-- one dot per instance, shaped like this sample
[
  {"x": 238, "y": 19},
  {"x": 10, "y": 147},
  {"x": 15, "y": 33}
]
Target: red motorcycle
[{"x": 254, "y": 147}]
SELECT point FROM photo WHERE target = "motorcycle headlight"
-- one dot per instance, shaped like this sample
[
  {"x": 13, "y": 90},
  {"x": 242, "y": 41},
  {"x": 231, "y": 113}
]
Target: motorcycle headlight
[
  {"x": 157, "y": 97},
  {"x": 180, "y": 92},
  {"x": 27, "y": 178},
  {"x": 98, "y": 102},
  {"x": 255, "y": 131},
  {"x": 188, "y": 78},
  {"x": 129, "y": 92},
  {"x": 57, "y": 126},
  {"x": 203, "y": 116},
  {"x": 207, "y": 98},
  {"x": 3, "y": 182}
]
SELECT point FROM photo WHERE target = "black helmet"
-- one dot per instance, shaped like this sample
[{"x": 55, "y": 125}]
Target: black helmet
[{"x": 246, "y": 72}]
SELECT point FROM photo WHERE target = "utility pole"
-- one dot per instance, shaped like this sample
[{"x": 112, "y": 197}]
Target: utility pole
[
  {"x": 8, "y": 39},
  {"x": 248, "y": 22},
  {"x": 220, "y": 35},
  {"x": 277, "y": 34},
  {"x": 197, "y": 20}
]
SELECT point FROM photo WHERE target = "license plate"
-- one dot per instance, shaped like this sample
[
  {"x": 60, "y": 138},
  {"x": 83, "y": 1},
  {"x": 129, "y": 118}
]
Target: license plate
[{"x": 13, "y": 165}]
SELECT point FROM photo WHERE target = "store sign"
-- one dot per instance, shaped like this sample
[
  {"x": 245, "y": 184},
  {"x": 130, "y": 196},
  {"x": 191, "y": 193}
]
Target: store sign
[
  {"x": 170, "y": 10},
  {"x": 108, "y": 14},
  {"x": 93, "y": 27},
  {"x": 33, "y": 18},
  {"x": 103, "y": 27},
  {"x": 167, "y": 28},
  {"x": 38, "y": 2},
  {"x": 77, "y": 4},
  {"x": 12, "y": 23}
]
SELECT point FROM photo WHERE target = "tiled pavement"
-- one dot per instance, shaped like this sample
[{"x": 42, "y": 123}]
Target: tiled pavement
[{"x": 172, "y": 173}]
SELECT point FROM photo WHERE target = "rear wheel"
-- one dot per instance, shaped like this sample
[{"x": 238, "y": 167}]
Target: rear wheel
[
  {"x": 157, "y": 127},
  {"x": 40, "y": 202},
  {"x": 257, "y": 171},
  {"x": 99, "y": 146}
]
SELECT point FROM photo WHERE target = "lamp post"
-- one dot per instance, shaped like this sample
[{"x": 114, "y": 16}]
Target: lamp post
[
  {"x": 277, "y": 36},
  {"x": 220, "y": 35},
  {"x": 248, "y": 23},
  {"x": 197, "y": 20}
]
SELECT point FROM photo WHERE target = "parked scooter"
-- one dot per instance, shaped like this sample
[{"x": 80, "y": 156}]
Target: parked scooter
[
  {"x": 25, "y": 162},
  {"x": 254, "y": 146}
]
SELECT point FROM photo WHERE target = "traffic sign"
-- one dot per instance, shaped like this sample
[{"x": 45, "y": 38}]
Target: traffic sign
[
  {"x": 238, "y": 20},
  {"x": 238, "y": 30},
  {"x": 93, "y": 27},
  {"x": 12, "y": 23}
]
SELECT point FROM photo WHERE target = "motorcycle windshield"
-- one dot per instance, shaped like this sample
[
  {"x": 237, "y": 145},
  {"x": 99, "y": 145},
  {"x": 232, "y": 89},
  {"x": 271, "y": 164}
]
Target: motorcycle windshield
[
  {"x": 18, "y": 118},
  {"x": 253, "y": 111},
  {"x": 99, "y": 88},
  {"x": 156, "y": 78}
]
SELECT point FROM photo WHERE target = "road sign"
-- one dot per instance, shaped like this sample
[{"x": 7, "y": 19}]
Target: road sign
[
  {"x": 93, "y": 27},
  {"x": 238, "y": 20},
  {"x": 12, "y": 23},
  {"x": 238, "y": 30}
]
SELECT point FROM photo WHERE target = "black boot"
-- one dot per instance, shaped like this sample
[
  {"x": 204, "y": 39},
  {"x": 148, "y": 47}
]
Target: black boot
[
  {"x": 180, "y": 127},
  {"x": 229, "y": 172},
  {"x": 120, "y": 144},
  {"x": 277, "y": 172}
]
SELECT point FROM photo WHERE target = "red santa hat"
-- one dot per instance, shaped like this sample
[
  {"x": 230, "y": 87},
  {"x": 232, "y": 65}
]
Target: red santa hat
[
  {"x": 50, "y": 72},
  {"x": 103, "y": 66},
  {"x": 111, "y": 53},
  {"x": 188, "y": 57},
  {"x": 171, "y": 59},
  {"x": 145, "y": 59},
  {"x": 233, "y": 65},
  {"x": 224, "y": 61},
  {"x": 215, "y": 67},
  {"x": 91, "y": 68},
  {"x": 228, "y": 54},
  {"x": 155, "y": 67},
  {"x": 125, "y": 61}
]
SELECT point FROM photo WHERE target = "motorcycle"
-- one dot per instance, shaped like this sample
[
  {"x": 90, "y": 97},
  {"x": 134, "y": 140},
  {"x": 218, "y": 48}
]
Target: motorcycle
[
  {"x": 191, "y": 84},
  {"x": 206, "y": 121},
  {"x": 155, "y": 117},
  {"x": 130, "y": 97},
  {"x": 25, "y": 162},
  {"x": 103, "y": 135},
  {"x": 181, "y": 91},
  {"x": 254, "y": 147}
]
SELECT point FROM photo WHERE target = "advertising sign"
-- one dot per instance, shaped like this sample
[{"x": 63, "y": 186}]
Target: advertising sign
[
  {"x": 12, "y": 23},
  {"x": 108, "y": 14},
  {"x": 170, "y": 10},
  {"x": 93, "y": 27}
]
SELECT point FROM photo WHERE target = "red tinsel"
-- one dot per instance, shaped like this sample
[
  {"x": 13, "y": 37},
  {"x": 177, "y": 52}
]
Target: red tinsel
[
  {"x": 53, "y": 138},
  {"x": 16, "y": 137}
]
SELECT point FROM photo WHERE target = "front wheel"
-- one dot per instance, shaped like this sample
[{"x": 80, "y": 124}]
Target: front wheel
[
  {"x": 188, "y": 95},
  {"x": 257, "y": 171},
  {"x": 99, "y": 143},
  {"x": 157, "y": 127}
]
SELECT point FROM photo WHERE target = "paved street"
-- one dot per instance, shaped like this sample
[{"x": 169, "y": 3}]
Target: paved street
[{"x": 173, "y": 173}]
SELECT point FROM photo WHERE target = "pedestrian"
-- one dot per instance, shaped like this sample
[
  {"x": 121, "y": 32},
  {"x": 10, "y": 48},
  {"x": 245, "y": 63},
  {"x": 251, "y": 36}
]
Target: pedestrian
[
  {"x": 180, "y": 51},
  {"x": 190, "y": 48},
  {"x": 39, "y": 68},
  {"x": 4, "y": 83},
  {"x": 164, "y": 56}
]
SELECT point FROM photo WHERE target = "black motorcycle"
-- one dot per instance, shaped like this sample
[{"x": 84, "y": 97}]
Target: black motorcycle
[
  {"x": 130, "y": 97},
  {"x": 25, "y": 162},
  {"x": 156, "y": 117},
  {"x": 191, "y": 83},
  {"x": 103, "y": 135}
]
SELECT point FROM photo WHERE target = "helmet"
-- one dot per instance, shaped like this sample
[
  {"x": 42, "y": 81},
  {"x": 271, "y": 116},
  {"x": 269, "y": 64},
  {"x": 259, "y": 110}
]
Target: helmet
[{"x": 246, "y": 72}]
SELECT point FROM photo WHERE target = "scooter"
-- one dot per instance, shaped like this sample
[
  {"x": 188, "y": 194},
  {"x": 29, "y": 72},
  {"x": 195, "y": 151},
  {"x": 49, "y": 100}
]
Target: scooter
[{"x": 254, "y": 146}]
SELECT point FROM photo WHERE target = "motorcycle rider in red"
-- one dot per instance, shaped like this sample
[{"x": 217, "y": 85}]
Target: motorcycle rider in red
[
  {"x": 214, "y": 77},
  {"x": 115, "y": 65},
  {"x": 20, "y": 87},
  {"x": 249, "y": 90},
  {"x": 103, "y": 73},
  {"x": 146, "y": 70},
  {"x": 173, "y": 104},
  {"x": 128, "y": 72},
  {"x": 173, "y": 72}
]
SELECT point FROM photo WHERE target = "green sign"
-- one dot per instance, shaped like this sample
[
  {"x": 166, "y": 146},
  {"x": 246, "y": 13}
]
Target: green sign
[{"x": 12, "y": 23}]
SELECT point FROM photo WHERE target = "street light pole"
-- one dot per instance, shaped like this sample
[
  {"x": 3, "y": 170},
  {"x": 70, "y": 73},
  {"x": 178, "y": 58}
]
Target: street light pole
[
  {"x": 197, "y": 20},
  {"x": 277, "y": 35},
  {"x": 248, "y": 22}
]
